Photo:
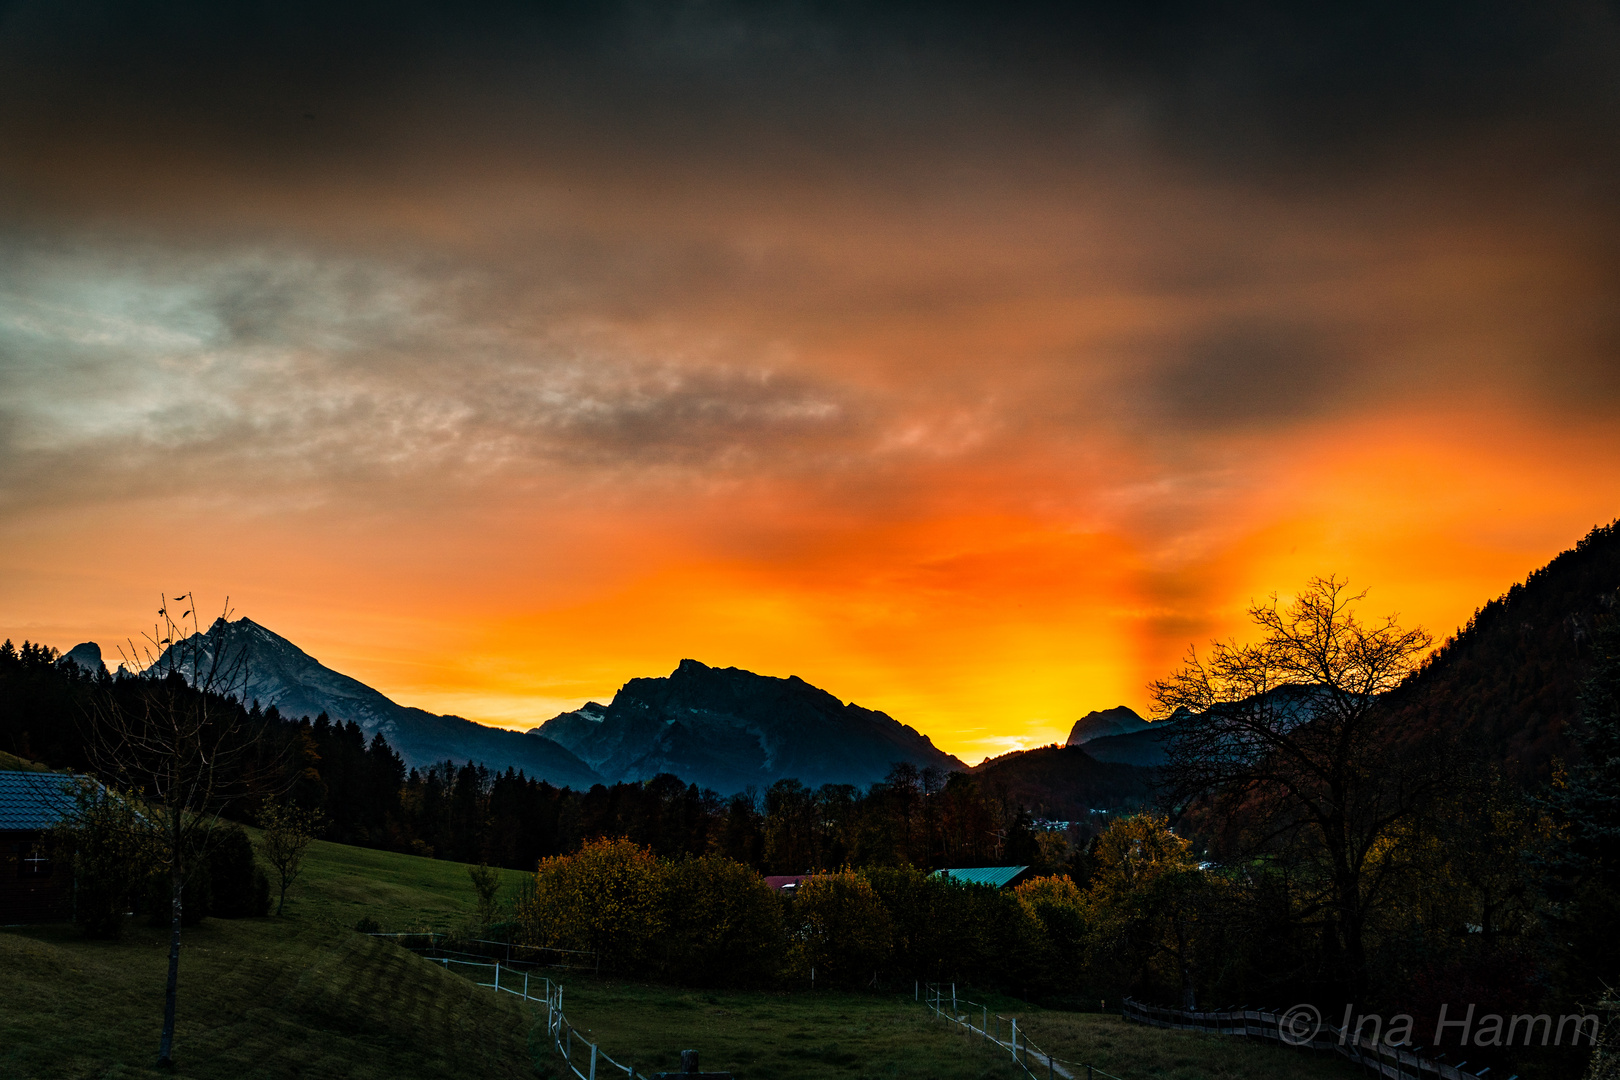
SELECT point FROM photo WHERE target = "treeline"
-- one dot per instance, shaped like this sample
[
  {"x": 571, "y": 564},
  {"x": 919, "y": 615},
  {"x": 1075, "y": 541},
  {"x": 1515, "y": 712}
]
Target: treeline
[
  {"x": 471, "y": 813},
  {"x": 710, "y": 920},
  {"x": 366, "y": 794}
]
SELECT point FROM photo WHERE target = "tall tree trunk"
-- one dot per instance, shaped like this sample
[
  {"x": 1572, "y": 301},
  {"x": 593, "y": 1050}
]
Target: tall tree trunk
[
  {"x": 177, "y": 881},
  {"x": 1349, "y": 916}
]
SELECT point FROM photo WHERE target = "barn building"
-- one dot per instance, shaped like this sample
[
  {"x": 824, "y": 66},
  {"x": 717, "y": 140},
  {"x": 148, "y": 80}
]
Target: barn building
[{"x": 998, "y": 877}]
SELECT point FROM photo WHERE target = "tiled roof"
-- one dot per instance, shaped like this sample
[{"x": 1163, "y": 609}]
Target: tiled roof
[
  {"x": 983, "y": 875},
  {"x": 35, "y": 800}
]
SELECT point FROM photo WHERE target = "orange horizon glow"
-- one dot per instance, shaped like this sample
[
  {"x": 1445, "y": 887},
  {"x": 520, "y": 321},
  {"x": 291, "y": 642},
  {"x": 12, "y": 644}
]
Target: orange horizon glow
[{"x": 987, "y": 633}]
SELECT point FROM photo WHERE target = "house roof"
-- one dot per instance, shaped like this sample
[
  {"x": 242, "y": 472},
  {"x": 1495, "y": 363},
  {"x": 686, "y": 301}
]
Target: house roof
[
  {"x": 995, "y": 876},
  {"x": 783, "y": 881},
  {"x": 35, "y": 800}
]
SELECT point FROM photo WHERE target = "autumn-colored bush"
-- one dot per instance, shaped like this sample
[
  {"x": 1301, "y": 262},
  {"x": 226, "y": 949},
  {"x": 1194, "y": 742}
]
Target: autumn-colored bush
[
  {"x": 838, "y": 929},
  {"x": 723, "y": 924},
  {"x": 607, "y": 898},
  {"x": 1149, "y": 902},
  {"x": 1061, "y": 910},
  {"x": 944, "y": 929}
]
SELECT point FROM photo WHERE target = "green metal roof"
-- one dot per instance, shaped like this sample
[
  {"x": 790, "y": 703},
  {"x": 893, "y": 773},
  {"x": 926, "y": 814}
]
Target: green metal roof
[{"x": 995, "y": 876}]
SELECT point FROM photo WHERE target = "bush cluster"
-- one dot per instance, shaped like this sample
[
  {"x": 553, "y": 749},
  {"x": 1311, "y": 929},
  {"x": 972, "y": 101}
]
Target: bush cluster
[
  {"x": 116, "y": 870},
  {"x": 712, "y": 921},
  {"x": 224, "y": 882}
]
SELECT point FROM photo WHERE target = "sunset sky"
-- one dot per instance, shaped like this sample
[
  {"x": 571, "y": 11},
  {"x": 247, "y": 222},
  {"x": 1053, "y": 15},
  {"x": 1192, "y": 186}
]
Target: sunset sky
[{"x": 968, "y": 361}]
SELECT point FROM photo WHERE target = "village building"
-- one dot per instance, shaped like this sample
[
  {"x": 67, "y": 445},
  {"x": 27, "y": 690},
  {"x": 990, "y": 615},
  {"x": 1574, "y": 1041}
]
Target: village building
[
  {"x": 34, "y": 886},
  {"x": 999, "y": 877}
]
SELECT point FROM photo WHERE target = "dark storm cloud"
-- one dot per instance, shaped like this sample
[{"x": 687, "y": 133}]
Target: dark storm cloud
[
  {"x": 1236, "y": 81},
  {"x": 353, "y": 235}
]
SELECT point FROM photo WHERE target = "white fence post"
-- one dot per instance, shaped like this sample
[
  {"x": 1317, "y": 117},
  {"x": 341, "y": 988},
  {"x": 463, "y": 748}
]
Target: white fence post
[
  {"x": 593, "y": 1062},
  {"x": 1015, "y": 1038},
  {"x": 497, "y": 976}
]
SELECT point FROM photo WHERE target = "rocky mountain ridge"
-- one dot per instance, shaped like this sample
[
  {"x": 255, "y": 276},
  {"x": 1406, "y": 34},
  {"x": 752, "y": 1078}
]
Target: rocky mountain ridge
[
  {"x": 279, "y": 673},
  {"x": 1101, "y": 723},
  {"x": 731, "y": 729}
]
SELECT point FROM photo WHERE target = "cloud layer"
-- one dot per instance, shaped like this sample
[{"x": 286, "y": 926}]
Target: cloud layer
[{"x": 967, "y": 362}]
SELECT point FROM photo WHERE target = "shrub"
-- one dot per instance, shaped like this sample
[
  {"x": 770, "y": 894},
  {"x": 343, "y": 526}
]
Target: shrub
[
  {"x": 367, "y": 925},
  {"x": 111, "y": 858},
  {"x": 486, "y": 884},
  {"x": 724, "y": 924},
  {"x": 1059, "y": 907},
  {"x": 239, "y": 886},
  {"x": 606, "y": 898},
  {"x": 921, "y": 938},
  {"x": 991, "y": 938},
  {"x": 838, "y": 930},
  {"x": 196, "y": 901},
  {"x": 197, "y": 898}
]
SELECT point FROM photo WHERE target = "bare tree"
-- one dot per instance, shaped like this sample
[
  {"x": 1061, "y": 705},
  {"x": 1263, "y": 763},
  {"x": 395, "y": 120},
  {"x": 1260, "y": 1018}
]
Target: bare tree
[
  {"x": 287, "y": 833},
  {"x": 173, "y": 739},
  {"x": 486, "y": 883},
  {"x": 1291, "y": 742}
]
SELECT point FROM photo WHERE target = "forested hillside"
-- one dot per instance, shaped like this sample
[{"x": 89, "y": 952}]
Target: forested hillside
[{"x": 1509, "y": 681}]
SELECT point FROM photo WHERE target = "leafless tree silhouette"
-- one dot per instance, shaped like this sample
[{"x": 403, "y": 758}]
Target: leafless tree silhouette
[
  {"x": 1292, "y": 740},
  {"x": 175, "y": 741}
]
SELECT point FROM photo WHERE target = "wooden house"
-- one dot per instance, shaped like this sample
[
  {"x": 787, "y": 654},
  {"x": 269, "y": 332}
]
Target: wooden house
[{"x": 34, "y": 887}]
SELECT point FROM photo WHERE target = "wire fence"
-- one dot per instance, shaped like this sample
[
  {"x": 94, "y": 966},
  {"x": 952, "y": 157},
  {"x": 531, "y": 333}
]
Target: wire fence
[
  {"x": 1394, "y": 1062},
  {"x": 512, "y": 970},
  {"x": 517, "y": 976},
  {"x": 1003, "y": 1031},
  {"x": 435, "y": 945}
]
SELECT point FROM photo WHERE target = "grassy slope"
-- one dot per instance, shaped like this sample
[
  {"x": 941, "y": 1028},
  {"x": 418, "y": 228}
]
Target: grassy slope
[
  {"x": 1134, "y": 1050},
  {"x": 341, "y": 884},
  {"x": 844, "y": 1035},
  {"x": 304, "y": 996},
  {"x": 301, "y": 995},
  {"x": 767, "y": 1035}
]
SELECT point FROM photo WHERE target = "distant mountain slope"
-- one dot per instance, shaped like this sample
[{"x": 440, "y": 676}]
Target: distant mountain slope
[
  {"x": 1510, "y": 680},
  {"x": 1144, "y": 749},
  {"x": 86, "y": 655},
  {"x": 1064, "y": 782},
  {"x": 1120, "y": 720},
  {"x": 730, "y": 729},
  {"x": 281, "y": 674}
]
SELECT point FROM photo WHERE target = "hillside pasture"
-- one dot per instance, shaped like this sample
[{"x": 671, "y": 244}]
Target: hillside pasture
[
  {"x": 259, "y": 998},
  {"x": 823, "y": 1036}
]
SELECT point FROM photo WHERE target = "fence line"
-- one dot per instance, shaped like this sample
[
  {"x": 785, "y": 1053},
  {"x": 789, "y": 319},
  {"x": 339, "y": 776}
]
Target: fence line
[
  {"x": 522, "y": 981},
  {"x": 423, "y": 941},
  {"x": 1394, "y": 1062},
  {"x": 942, "y": 999}
]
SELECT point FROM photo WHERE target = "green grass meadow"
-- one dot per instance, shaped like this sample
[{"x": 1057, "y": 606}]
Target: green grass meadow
[
  {"x": 304, "y": 996},
  {"x": 830, "y": 1035}
]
